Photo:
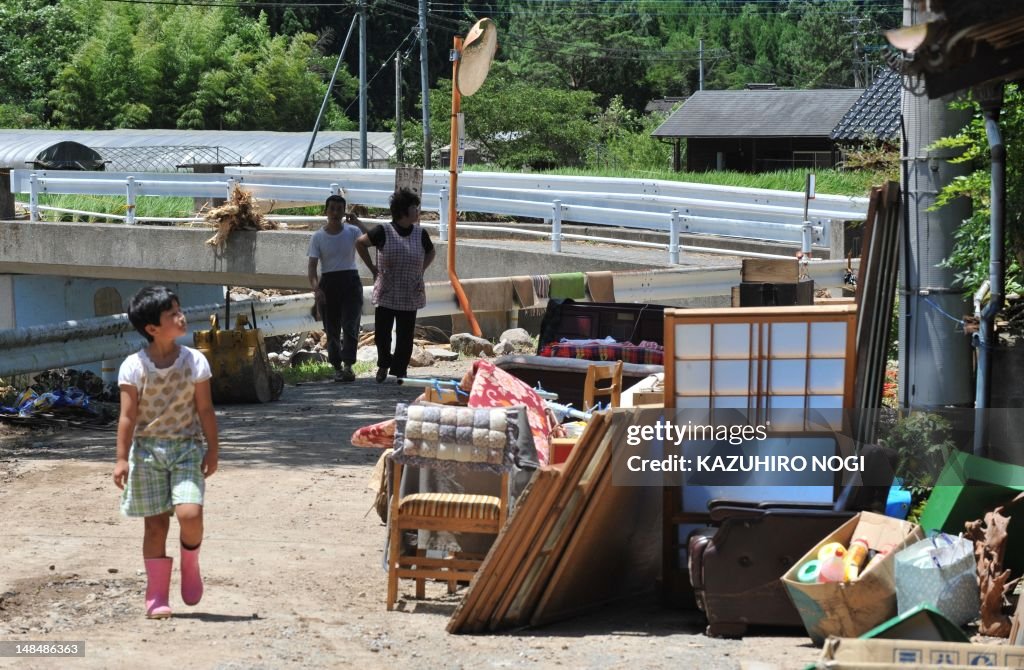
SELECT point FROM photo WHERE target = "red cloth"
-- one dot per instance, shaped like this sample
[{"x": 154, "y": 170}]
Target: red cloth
[
  {"x": 493, "y": 387},
  {"x": 628, "y": 353},
  {"x": 378, "y": 436}
]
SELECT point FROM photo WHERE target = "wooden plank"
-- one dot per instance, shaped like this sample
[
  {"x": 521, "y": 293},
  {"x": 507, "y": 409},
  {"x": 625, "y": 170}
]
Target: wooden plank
[
  {"x": 612, "y": 552},
  {"x": 770, "y": 270},
  {"x": 489, "y": 569},
  {"x": 515, "y": 539},
  {"x": 522, "y": 599},
  {"x": 550, "y": 516},
  {"x": 736, "y": 296}
]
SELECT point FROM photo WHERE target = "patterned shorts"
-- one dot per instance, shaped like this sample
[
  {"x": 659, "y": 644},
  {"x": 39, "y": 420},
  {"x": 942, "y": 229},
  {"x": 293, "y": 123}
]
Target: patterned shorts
[{"x": 163, "y": 473}]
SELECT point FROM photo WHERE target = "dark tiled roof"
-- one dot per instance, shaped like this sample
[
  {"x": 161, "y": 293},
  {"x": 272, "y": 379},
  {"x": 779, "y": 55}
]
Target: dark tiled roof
[
  {"x": 876, "y": 114},
  {"x": 662, "y": 104},
  {"x": 760, "y": 113}
]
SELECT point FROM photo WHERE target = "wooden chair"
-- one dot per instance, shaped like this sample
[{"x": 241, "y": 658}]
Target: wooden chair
[
  {"x": 452, "y": 512},
  {"x": 599, "y": 373}
]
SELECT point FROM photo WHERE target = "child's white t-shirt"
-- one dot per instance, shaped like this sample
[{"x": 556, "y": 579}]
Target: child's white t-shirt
[{"x": 166, "y": 395}]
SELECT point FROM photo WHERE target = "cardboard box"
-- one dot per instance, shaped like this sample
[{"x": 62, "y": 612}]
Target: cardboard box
[
  {"x": 853, "y": 608},
  {"x": 854, "y": 653},
  {"x": 648, "y": 398}
]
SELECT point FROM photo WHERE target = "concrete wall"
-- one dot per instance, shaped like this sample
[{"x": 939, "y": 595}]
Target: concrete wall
[{"x": 271, "y": 259}]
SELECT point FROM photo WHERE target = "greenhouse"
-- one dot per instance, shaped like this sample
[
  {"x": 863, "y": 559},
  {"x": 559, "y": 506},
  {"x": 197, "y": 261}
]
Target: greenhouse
[{"x": 179, "y": 150}]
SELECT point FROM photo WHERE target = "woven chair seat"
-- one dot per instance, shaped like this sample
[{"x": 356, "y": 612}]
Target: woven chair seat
[{"x": 451, "y": 506}]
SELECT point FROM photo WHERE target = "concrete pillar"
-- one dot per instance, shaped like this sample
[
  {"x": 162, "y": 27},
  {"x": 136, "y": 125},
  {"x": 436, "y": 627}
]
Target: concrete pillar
[{"x": 6, "y": 197}]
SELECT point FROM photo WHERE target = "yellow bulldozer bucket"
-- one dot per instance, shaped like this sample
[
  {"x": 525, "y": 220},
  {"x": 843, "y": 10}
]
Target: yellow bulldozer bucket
[{"x": 238, "y": 359}]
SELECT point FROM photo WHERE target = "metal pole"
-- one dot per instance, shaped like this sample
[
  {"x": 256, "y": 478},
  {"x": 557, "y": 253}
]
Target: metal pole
[
  {"x": 453, "y": 183},
  {"x": 986, "y": 339},
  {"x": 556, "y": 226},
  {"x": 701, "y": 60},
  {"x": 330, "y": 87},
  {"x": 399, "y": 152},
  {"x": 130, "y": 214},
  {"x": 673, "y": 238},
  {"x": 442, "y": 228},
  {"x": 33, "y": 197},
  {"x": 231, "y": 186},
  {"x": 425, "y": 85},
  {"x": 363, "y": 163}
]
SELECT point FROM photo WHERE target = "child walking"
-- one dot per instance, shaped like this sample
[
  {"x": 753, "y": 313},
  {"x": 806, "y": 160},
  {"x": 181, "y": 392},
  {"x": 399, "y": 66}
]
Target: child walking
[{"x": 166, "y": 409}]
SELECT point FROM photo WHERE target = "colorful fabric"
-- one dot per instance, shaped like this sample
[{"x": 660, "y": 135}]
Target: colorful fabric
[
  {"x": 377, "y": 436},
  {"x": 627, "y": 352},
  {"x": 162, "y": 474},
  {"x": 490, "y": 386},
  {"x": 568, "y": 285},
  {"x": 450, "y": 438}
]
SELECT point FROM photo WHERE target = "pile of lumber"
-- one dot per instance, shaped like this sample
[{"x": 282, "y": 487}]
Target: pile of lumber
[{"x": 573, "y": 542}]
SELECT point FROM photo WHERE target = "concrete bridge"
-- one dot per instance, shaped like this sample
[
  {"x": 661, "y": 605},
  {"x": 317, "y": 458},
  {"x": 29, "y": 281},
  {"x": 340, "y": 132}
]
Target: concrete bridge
[{"x": 277, "y": 259}]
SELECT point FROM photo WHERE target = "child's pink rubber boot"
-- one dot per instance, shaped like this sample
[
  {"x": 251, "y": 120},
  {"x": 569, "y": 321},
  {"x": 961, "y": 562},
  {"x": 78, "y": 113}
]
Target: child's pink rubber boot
[
  {"x": 191, "y": 580},
  {"x": 158, "y": 585}
]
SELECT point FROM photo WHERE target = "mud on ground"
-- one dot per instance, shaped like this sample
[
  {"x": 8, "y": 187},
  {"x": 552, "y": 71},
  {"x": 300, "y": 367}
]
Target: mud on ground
[{"x": 292, "y": 560}]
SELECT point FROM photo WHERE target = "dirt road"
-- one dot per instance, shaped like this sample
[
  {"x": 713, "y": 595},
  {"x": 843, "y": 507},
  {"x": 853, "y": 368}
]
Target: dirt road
[{"x": 292, "y": 559}]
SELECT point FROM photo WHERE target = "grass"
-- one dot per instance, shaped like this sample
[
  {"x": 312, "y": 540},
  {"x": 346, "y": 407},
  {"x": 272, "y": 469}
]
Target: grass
[
  {"x": 111, "y": 204},
  {"x": 831, "y": 182},
  {"x": 311, "y": 371}
]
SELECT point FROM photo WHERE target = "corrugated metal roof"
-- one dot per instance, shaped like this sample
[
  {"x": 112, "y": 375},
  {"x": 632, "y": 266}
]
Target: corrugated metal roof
[
  {"x": 760, "y": 113},
  {"x": 876, "y": 114},
  {"x": 18, "y": 148}
]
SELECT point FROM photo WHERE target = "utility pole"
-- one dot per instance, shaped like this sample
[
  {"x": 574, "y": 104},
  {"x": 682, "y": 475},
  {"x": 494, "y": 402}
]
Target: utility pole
[
  {"x": 701, "y": 61},
  {"x": 363, "y": 163},
  {"x": 399, "y": 152},
  {"x": 425, "y": 85},
  {"x": 935, "y": 359}
]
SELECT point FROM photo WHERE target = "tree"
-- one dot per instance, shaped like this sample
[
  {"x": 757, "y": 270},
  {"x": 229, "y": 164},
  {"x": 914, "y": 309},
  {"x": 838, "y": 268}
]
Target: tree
[
  {"x": 517, "y": 124},
  {"x": 154, "y": 66},
  {"x": 971, "y": 249},
  {"x": 36, "y": 38}
]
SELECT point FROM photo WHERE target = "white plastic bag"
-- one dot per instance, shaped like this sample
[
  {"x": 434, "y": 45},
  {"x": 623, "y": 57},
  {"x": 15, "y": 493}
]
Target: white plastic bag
[{"x": 939, "y": 571}]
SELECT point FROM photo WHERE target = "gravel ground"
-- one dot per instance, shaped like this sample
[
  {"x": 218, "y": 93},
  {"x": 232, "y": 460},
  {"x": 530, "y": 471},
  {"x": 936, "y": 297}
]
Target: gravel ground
[{"x": 292, "y": 560}]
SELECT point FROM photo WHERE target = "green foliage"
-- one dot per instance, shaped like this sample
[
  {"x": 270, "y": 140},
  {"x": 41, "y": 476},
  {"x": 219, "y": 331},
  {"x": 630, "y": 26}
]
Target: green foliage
[
  {"x": 626, "y": 140},
  {"x": 36, "y": 36},
  {"x": 154, "y": 66},
  {"x": 516, "y": 123},
  {"x": 922, "y": 441},
  {"x": 835, "y": 182},
  {"x": 971, "y": 249},
  {"x": 155, "y": 206},
  {"x": 311, "y": 371}
]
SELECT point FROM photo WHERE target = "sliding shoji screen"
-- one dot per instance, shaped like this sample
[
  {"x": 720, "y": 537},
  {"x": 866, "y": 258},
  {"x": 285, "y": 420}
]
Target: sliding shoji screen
[
  {"x": 769, "y": 361},
  {"x": 779, "y": 364}
]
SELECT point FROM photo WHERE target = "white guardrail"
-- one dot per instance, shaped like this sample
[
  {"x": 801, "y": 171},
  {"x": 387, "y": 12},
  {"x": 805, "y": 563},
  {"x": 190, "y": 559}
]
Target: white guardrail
[
  {"x": 654, "y": 205},
  {"x": 69, "y": 343}
]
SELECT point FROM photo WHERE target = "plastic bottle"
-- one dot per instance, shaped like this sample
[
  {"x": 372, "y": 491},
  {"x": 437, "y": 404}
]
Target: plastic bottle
[
  {"x": 832, "y": 570},
  {"x": 857, "y": 555},
  {"x": 831, "y": 550}
]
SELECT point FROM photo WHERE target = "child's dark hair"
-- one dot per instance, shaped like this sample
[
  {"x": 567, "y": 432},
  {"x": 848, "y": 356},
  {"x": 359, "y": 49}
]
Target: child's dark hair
[
  {"x": 401, "y": 201},
  {"x": 334, "y": 198},
  {"x": 147, "y": 305}
]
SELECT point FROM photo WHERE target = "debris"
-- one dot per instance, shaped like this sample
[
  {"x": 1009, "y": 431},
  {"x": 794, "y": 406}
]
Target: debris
[
  {"x": 420, "y": 358},
  {"x": 989, "y": 536},
  {"x": 237, "y": 214},
  {"x": 464, "y": 343}
]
